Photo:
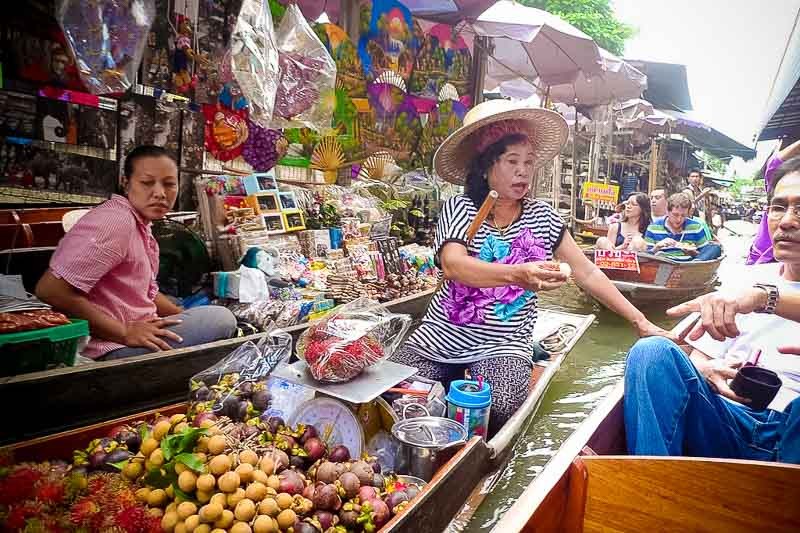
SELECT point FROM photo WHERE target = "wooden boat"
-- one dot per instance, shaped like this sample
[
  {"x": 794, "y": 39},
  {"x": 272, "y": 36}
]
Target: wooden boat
[
  {"x": 590, "y": 484},
  {"x": 661, "y": 279},
  {"x": 590, "y": 231},
  {"x": 441, "y": 498},
  {"x": 85, "y": 394}
]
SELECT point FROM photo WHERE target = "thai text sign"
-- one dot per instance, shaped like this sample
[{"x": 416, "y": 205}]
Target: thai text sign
[
  {"x": 616, "y": 260},
  {"x": 600, "y": 192}
]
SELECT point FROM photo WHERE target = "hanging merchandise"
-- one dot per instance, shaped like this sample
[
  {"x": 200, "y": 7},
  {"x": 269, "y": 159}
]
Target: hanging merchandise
[
  {"x": 184, "y": 54},
  {"x": 392, "y": 124},
  {"x": 226, "y": 131},
  {"x": 349, "y": 72},
  {"x": 264, "y": 147},
  {"x": 107, "y": 38},
  {"x": 389, "y": 43},
  {"x": 443, "y": 63},
  {"x": 254, "y": 58},
  {"x": 305, "y": 96}
]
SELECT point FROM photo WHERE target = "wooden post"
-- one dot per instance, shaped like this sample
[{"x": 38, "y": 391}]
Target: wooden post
[
  {"x": 652, "y": 182},
  {"x": 574, "y": 190},
  {"x": 480, "y": 55},
  {"x": 556, "y": 181},
  {"x": 350, "y": 19}
]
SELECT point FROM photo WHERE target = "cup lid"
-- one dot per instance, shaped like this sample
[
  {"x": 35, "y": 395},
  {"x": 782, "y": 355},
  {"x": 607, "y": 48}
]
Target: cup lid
[{"x": 429, "y": 431}]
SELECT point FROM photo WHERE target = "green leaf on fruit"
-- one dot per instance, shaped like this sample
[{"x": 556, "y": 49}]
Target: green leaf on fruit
[
  {"x": 167, "y": 447},
  {"x": 189, "y": 439},
  {"x": 120, "y": 465},
  {"x": 179, "y": 494},
  {"x": 191, "y": 460},
  {"x": 417, "y": 213},
  {"x": 156, "y": 478}
]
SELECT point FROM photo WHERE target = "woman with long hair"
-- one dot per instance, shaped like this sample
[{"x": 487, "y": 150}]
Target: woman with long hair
[{"x": 628, "y": 234}]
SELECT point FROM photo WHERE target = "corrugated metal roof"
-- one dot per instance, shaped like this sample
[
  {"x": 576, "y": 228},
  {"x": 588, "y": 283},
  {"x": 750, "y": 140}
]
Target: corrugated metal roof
[
  {"x": 781, "y": 118},
  {"x": 709, "y": 139}
]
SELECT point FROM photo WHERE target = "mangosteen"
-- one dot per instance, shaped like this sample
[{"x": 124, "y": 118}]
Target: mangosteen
[
  {"x": 130, "y": 439},
  {"x": 396, "y": 498},
  {"x": 315, "y": 448},
  {"x": 378, "y": 481},
  {"x": 339, "y": 454},
  {"x": 295, "y": 461},
  {"x": 363, "y": 471},
  {"x": 261, "y": 400},
  {"x": 309, "y": 433},
  {"x": 274, "y": 423},
  {"x": 326, "y": 498},
  {"x": 246, "y": 388},
  {"x": 326, "y": 519},
  {"x": 349, "y": 519},
  {"x": 201, "y": 394},
  {"x": 350, "y": 484},
  {"x": 412, "y": 491},
  {"x": 117, "y": 456},
  {"x": 328, "y": 472}
]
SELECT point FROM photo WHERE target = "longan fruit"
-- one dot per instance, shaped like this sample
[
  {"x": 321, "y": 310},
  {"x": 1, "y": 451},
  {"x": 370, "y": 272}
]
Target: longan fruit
[
  {"x": 187, "y": 481},
  {"x": 148, "y": 445},
  {"x": 172, "y": 507},
  {"x": 177, "y": 419},
  {"x": 170, "y": 492},
  {"x": 229, "y": 482},
  {"x": 156, "y": 457},
  {"x": 156, "y": 498},
  {"x": 274, "y": 482},
  {"x": 142, "y": 494},
  {"x": 203, "y": 496},
  {"x": 202, "y": 444},
  {"x": 286, "y": 519},
  {"x": 155, "y": 511},
  {"x": 216, "y": 444},
  {"x": 267, "y": 465},
  {"x": 202, "y": 528},
  {"x": 284, "y": 500},
  {"x": 133, "y": 470},
  {"x": 210, "y": 512},
  {"x": 180, "y": 527},
  {"x": 202, "y": 457},
  {"x": 220, "y": 498},
  {"x": 169, "y": 520},
  {"x": 248, "y": 456},
  {"x": 260, "y": 476},
  {"x": 225, "y": 520},
  {"x": 186, "y": 509},
  {"x": 192, "y": 522},
  {"x": 180, "y": 468},
  {"x": 219, "y": 465},
  {"x": 256, "y": 491},
  {"x": 269, "y": 506},
  {"x": 245, "y": 471},
  {"x": 265, "y": 524},
  {"x": 245, "y": 510},
  {"x": 235, "y": 497},
  {"x": 161, "y": 429},
  {"x": 206, "y": 482},
  {"x": 241, "y": 527}
]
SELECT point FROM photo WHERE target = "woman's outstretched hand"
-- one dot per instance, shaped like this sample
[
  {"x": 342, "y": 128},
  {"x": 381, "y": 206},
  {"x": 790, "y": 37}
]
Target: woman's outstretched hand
[{"x": 540, "y": 276}]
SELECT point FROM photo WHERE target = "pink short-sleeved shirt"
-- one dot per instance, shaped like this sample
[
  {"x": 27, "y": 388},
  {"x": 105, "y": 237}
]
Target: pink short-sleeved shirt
[{"x": 112, "y": 257}]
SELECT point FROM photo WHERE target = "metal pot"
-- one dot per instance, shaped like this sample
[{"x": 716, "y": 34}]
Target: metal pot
[{"x": 427, "y": 442}]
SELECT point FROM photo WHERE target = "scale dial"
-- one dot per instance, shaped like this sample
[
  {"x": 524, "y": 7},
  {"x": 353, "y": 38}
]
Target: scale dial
[{"x": 335, "y": 422}]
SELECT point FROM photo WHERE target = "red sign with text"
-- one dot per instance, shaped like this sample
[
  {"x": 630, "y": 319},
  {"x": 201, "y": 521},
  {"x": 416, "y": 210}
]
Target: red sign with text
[{"x": 616, "y": 260}]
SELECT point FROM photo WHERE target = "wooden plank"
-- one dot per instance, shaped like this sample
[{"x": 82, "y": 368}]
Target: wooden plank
[{"x": 627, "y": 493}]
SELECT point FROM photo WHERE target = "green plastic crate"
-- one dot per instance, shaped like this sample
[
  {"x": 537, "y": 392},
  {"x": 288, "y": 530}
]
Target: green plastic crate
[{"x": 41, "y": 349}]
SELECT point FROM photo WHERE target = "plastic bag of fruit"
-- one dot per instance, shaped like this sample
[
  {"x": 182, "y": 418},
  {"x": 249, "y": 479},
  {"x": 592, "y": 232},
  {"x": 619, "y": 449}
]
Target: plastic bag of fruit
[
  {"x": 351, "y": 338},
  {"x": 306, "y": 89},
  {"x": 236, "y": 386}
]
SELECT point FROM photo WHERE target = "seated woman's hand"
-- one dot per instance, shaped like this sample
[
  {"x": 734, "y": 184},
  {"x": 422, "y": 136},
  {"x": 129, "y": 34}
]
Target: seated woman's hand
[
  {"x": 540, "y": 276},
  {"x": 151, "y": 333}
]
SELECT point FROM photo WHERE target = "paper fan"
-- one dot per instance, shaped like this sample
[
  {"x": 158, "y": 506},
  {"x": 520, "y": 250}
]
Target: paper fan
[
  {"x": 448, "y": 92},
  {"x": 391, "y": 77},
  {"x": 377, "y": 166},
  {"x": 327, "y": 154}
]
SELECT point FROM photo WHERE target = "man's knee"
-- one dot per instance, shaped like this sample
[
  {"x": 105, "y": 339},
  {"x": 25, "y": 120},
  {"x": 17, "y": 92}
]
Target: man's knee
[
  {"x": 651, "y": 353},
  {"x": 213, "y": 319}
]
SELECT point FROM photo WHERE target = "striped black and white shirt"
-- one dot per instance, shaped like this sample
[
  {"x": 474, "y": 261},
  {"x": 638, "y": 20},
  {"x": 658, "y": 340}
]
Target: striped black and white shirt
[{"x": 439, "y": 339}]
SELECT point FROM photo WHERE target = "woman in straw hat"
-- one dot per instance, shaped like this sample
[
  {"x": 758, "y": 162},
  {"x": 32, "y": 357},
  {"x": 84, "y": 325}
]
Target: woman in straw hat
[{"x": 483, "y": 317}]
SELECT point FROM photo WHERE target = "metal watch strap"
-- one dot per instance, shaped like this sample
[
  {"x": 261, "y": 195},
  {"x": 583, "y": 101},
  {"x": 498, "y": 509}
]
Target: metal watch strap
[{"x": 772, "y": 298}]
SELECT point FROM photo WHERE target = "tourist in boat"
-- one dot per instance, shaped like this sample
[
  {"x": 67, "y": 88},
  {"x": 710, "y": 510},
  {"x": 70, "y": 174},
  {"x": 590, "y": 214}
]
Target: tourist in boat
[
  {"x": 104, "y": 270},
  {"x": 628, "y": 233},
  {"x": 658, "y": 203},
  {"x": 679, "y": 236},
  {"x": 483, "y": 317},
  {"x": 761, "y": 249},
  {"x": 679, "y": 405}
]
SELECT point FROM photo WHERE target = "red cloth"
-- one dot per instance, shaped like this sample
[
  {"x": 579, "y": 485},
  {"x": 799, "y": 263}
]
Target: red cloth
[{"x": 112, "y": 256}]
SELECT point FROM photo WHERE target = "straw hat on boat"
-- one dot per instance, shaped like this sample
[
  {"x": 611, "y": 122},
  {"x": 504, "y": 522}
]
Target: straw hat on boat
[{"x": 487, "y": 123}]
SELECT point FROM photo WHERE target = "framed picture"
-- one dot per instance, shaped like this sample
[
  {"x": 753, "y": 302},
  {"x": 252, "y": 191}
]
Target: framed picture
[
  {"x": 293, "y": 220},
  {"x": 274, "y": 223},
  {"x": 288, "y": 201},
  {"x": 264, "y": 202},
  {"x": 266, "y": 181}
]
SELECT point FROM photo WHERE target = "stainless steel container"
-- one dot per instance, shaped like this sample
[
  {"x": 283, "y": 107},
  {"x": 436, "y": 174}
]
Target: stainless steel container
[{"x": 427, "y": 443}]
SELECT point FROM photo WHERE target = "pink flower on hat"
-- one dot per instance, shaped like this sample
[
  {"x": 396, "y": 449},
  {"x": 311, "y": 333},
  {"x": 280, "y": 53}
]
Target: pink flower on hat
[{"x": 490, "y": 134}]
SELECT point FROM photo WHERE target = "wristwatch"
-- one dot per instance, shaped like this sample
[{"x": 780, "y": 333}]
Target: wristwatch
[{"x": 772, "y": 297}]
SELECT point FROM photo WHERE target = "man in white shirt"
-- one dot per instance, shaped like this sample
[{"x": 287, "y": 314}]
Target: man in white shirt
[{"x": 679, "y": 405}]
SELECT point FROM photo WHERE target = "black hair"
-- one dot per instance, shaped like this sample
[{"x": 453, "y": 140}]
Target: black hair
[
  {"x": 141, "y": 152},
  {"x": 644, "y": 204},
  {"x": 790, "y": 166},
  {"x": 693, "y": 170},
  {"x": 477, "y": 184}
]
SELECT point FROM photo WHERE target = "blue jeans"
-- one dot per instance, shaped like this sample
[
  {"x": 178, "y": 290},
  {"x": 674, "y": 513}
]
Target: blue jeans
[
  {"x": 671, "y": 410},
  {"x": 207, "y": 323},
  {"x": 708, "y": 252}
]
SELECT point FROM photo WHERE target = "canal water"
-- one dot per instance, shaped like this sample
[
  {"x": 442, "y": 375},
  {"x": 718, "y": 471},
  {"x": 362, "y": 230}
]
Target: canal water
[{"x": 590, "y": 371}]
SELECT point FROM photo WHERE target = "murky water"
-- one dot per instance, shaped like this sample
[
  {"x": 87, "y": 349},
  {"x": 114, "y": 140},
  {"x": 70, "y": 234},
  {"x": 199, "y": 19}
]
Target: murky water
[{"x": 590, "y": 371}]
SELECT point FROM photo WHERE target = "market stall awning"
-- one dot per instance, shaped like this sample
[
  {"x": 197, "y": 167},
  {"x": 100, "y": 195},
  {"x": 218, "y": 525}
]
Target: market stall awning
[
  {"x": 447, "y": 11},
  {"x": 707, "y": 138},
  {"x": 667, "y": 84},
  {"x": 781, "y": 117}
]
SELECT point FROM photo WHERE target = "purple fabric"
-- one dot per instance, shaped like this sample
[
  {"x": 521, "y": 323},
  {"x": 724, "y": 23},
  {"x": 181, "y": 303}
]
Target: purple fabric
[{"x": 761, "y": 249}]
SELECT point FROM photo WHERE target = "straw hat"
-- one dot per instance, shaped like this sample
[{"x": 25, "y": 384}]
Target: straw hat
[{"x": 547, "y": 131}]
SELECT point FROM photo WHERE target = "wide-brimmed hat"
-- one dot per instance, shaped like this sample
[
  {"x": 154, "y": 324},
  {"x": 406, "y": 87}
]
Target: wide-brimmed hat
[{"x": 547, "y": 131}]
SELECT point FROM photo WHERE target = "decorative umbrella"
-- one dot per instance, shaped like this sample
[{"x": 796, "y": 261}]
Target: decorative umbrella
[
  {"x": 530, "y": 43},
  {"x": 617, "y": 81}
]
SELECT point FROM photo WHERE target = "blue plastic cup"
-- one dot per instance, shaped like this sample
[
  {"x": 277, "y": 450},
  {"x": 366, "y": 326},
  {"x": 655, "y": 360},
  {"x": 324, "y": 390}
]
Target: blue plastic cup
[{"x": 469, "y": 404}]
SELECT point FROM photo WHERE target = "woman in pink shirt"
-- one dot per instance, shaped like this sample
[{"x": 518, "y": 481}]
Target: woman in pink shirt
[{"x": 104, "y": 270}]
